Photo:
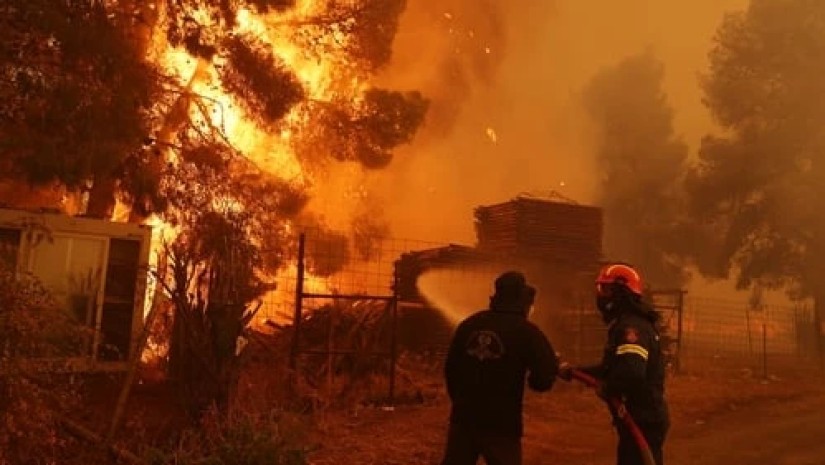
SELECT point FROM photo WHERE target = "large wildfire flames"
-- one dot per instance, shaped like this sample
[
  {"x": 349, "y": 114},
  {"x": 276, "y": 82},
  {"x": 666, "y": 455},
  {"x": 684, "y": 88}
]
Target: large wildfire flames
[
  {"x": 326, "y": 74},
  {"x": 271, "y": 152},
  {"x": 338, "y": 107},
  {"x": 312, "y": 41}
]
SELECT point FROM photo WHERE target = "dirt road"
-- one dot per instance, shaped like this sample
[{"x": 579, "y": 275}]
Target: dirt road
[
  {"x": 784, "y": 432},
  {"x": 779, "y": 433},
  {"x": 733, "y": 424},
  {"x": 756, "y": 424}
]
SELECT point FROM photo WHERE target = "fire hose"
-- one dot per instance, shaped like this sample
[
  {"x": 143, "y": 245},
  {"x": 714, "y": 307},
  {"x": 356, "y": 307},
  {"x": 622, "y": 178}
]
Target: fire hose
[{"x": 624, "y": 416}]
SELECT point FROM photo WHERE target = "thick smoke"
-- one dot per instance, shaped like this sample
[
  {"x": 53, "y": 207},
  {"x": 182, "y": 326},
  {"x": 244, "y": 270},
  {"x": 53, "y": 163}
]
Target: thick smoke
[
  {"x": 640, "y": 168},
  {"x": 512, "y": 120}
]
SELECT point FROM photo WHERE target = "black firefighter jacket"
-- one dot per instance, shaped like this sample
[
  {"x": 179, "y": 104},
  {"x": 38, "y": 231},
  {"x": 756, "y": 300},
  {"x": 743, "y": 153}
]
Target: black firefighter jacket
[
  {"x": 633, "y": 368},
  {"x": 490, "y": 354}
]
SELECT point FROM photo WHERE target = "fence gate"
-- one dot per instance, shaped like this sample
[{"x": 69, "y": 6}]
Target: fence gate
[
  {"x": 670, "y": 305},
  {"x": 350, "y": 332}
]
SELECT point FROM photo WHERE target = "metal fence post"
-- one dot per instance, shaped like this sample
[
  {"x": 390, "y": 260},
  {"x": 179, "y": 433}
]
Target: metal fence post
[
  {"x": 331, "y": 350},
  {"x": 580, "y": 333},
  {"x": 748, "y": 328},
  {"x": 819, "y": 334},
  {"x": 299, "y": 297},
  {"x": 679, "y": 318},
  {"x": 393, "y": 340},
  {"x": 764, "y": 350}
]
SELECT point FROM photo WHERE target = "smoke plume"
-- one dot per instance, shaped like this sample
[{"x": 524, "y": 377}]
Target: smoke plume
[{"x": 505, "y": 82}]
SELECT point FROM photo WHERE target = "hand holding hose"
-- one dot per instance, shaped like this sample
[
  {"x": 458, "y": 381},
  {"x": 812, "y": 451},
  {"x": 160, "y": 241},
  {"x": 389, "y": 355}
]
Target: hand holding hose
[
  {"x": 568, "y": 373},
  {"x": 565, "y": 371}
]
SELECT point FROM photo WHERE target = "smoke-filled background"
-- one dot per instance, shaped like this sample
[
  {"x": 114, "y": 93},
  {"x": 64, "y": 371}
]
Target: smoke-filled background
[
  {"x": 395, "y": 118},
  {"x": 555, "y": 96},
  {"x": 507, "y": 83}
]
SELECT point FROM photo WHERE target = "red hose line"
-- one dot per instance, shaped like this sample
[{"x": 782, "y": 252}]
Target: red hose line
[{"x": 623, "y": 414}]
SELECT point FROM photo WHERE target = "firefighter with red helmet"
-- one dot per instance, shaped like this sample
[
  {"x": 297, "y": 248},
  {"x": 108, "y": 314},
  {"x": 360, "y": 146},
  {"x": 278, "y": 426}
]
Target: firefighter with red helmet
[
  {"x": 491, "y": 354},
  {"x": 632, "y": 367}
]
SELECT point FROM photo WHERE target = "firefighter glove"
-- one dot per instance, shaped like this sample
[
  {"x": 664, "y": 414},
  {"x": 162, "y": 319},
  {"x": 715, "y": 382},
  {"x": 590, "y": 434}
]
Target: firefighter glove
[{"x": 565, "y": 371}]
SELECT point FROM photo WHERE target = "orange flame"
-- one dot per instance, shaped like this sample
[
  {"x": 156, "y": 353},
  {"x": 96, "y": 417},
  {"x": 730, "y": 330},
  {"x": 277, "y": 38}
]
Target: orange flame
[{"x": 325, "y": 75}]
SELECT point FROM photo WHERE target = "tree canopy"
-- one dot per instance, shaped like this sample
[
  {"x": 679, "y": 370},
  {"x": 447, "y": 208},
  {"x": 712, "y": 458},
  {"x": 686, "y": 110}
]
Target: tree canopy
[
  {"x": 640, "y": 162},
  {"x": 758, "y": 182},
  {"x": 77, "y": 93},
  {"x": 108, "y": 97}
]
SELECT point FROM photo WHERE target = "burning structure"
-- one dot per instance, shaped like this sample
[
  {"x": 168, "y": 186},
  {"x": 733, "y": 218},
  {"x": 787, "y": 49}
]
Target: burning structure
[
  {"x": 556, "y": 243},
  {"x": 96, "y": 268}
]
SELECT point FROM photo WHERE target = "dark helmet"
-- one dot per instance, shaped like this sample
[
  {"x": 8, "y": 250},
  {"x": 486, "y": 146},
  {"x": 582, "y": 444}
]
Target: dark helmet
[
  {"x": 618, "y": 286},
  {"x": 512, "y": 292}
]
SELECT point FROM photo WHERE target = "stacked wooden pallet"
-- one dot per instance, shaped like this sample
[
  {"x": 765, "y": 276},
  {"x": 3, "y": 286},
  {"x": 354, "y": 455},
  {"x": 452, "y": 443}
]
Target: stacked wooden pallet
[{"x": 560, "y": 232}]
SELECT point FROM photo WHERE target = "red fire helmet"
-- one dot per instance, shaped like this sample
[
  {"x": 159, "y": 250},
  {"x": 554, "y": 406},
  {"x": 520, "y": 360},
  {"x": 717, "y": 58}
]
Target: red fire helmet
[{"x": 619, "y": 273}]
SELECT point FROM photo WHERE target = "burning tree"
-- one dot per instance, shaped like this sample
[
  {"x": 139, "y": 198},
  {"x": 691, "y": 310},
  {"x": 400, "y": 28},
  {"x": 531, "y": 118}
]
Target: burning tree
[
  {"x": 641, "y": 162},
  {"x": 214, "y": 286},
  {"x": 757, "y": 186},
  {"x": 267, "y": 91},
  {"x": 267, "y": 76},
  {"x": 367, "y": 28},
  {"x": 366, "y": 133},
  {"x": 215, "y": 270},
  {"x": 77, "y": 95},
  {"x": 203, "y": 117},
  {"x": 106, "y": 96}
]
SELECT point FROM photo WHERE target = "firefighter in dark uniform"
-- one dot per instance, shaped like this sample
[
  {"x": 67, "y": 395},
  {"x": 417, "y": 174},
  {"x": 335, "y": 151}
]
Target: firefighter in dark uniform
[
  {"x": 632, "y": 368},
  {"x": 491, "y": 353}
]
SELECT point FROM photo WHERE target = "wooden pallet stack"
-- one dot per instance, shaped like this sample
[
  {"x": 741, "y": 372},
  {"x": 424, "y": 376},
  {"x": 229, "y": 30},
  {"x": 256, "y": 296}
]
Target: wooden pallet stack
[{"x": 563, "y": 233}]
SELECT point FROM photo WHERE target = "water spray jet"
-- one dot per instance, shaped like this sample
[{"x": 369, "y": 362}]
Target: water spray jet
[{"x": 456, "y": 293}]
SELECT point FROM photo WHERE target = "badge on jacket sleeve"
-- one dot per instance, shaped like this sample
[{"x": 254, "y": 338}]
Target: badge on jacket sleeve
[{"x": 631, "y": 336}]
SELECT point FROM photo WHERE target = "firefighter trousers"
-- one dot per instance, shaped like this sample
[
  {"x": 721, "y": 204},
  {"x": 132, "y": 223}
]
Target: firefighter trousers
[
  {"x": 628, "y": 453},
  {"x": 465, "y": 446}
]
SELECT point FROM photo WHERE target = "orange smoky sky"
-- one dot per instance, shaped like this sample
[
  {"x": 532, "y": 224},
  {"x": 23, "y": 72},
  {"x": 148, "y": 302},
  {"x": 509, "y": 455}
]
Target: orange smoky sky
[{"x": 505, "y": 81}]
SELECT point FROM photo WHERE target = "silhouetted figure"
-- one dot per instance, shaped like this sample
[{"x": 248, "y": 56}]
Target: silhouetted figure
[{"x": 490, "y": 354}]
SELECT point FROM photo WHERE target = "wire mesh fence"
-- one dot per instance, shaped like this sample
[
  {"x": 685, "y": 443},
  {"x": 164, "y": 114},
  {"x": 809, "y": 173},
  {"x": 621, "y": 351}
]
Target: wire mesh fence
[
  {"x": 720, "y": 333},
  {"x": 411, "y": 293},
  {"x": 433, "y": 282},
  {"x": 336, "y": 265},
  {"x": 348, "y": 306}
]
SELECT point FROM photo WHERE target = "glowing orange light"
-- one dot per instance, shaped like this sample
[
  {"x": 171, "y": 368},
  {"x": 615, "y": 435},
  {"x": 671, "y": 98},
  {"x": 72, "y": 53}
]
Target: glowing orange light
[{"x": 324, "y": 72}]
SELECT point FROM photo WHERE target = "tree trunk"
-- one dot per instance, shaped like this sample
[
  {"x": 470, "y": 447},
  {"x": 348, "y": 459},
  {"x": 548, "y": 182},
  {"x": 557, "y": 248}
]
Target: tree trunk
[
  {"x": 176, "y": 351},
  {"x": 225, "y": 329},
  {"x": 187, "y": 370},
  {"x": 102, "y": 198},
  {"x": 815, "y": 276},
  {"x": 173, "y": 123}
]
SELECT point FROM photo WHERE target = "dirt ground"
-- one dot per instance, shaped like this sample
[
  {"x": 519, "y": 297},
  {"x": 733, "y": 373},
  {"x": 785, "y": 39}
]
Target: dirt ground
[{"x": 718, "y": 419}]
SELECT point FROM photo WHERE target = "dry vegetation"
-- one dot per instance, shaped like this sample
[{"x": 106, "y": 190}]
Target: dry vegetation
[
  {"x": 566, "y": 426},
  {"x": 327, "y": 410},
  {"x": 305, "y": 417}
]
